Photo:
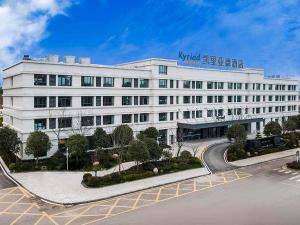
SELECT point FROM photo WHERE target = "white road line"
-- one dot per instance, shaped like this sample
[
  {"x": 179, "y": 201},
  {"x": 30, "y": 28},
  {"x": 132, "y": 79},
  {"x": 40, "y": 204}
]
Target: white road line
[
  {"x": 295, "y": 177},
  {"x": 295, "y": 173},
  {"x": 288, "y": 172},
  {"x": 298, "y": 180},
  {"x": 281, "y": 171},
  {"x": 277, "y": 169}
]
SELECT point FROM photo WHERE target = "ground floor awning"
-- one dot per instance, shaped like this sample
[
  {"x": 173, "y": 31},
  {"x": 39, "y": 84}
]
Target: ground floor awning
[{"x": 197, "y": 126}]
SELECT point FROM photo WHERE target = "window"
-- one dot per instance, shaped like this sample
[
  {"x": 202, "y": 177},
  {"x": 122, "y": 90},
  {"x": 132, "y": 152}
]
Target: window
[
  {"x": 98, "y": 120},
  {"x": 87, "y": 81},
  {"x": 87, "y": 121},
  {"x": 40, "y": 102},
  {"x": 98, "y": 81},
  {"x": 136, "y": 82},
  {"x": 270, "y": 87},
  {"x": 209, "y": 99},
  {"x": 52, "y": 123},
  {"x": 171, "y": 83},
  {"x": 108, "y": 119},
  {"x": 186, "y": 99},
  {"x": 186, "y": 115},
  {"x": 40, "y": 79},
  {"x": 98, "y": 100},
  {"x": 136, "y": 100},
  {"x": 220, "y": 85},
  {"x": 229, "y": 98},
  {"x": 209, "y": 113},
  {"x": 171, "y": 116},
  {"x": 64, "y": 101},
  {"x": 198, "y": 84},
  {"x": 239, "y": 86},
  {"x": 239, "y": 98},
  {"x": 144, "y": 117},
  {"x": 40, "y": 124},
  {"x": 163, "y": 100},
  {"x": 177, "y": 83},
  {"x": 52, "y": 80},
  {"x": 136, "y": 118},
  {"x": 108, "y": 100},
  {"x": 198, "y": 99},
  {"x": 144, "y": 83},
  {"x": 52, "y": 101},
  {"x": 186, "y": 84},
  {"x": 144, "y": 100},
  {"x": 126, "y": 118},
  {"x": 193, "y": 84},
  {"x": 162, "y": 116},
  {"x": 171, "y": 100},
  {"x": 87, "y": 101},
  {"x": 127, "y": 82},
  {"x": 108, "y": 82},
  {"x": 210, "y": 85},
  {"x": 230, "y": 85},
  {"x": 246, "y": 86},
  {"x": 163, "y": 83},
  {"x": 65, "y": 122},
  {"x": 64, "y": 80},
  {"x": 126, "y": 100},
  {"x": 198, "y": 113},
  {"x": 162, "y": 69}
]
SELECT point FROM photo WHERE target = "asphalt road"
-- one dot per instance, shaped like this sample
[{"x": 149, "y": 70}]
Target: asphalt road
[
  {"x": 214, "y": 158},
  {"x": 267, "y": 197},
  {"x": 4, "y": 181}
]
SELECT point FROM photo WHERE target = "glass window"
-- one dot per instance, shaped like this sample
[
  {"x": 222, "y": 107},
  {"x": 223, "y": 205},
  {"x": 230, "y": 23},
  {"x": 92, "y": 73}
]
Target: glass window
[
  {"x": 144, "y": 100},
  {"x": 136, "y": 118},
  {"x": 52, "y": 123},
  {"x": 127, "y": 82},
  {"x": 198, "y": 113},
  {"x": 52, "y": 80},
  {"x": 144, "y": 83},
  {"x": 220, "y": 85},
  {"x": 98, "y": 100},
  {"x": 186, "y": 84},
  {"x": 171, "y": 100},
  {"x": 40, "y": 124},
  {"x": 64, "y": 101},
  {"x": 209, "y": 99},
  {"x": 52, "y": 101},
  {"x": 186, "y": 99},
  {"x": 108, "y": 82},
  {"x": 210, "y": 85},
  {"x": 108, "y": 100},
  {"x": 238, "y": 85},
  {"x": 136, "y": 100},
  {"x": 171, "y": 83},
  {"x": 126, "y": 118},
  {"x": 162, "y": 69},
  {"x": 163, "y": 83},
  {"x": 198, "y": 99},
  {"x": 171, "y": 116},
  {"x": 177, "y": 83},
  {"x": 108, "y": 119},
  {"x": 98, "y": 120},
  {"x": 136, "y": 82},
  {"x": 64, "y": 80},
  {"x": 162, "y": 116},
  {"x": 163, "y": 100},
  {"x": 144, "y": 117},
  {"x": 98, "y": 81},
  {"x": 186, "y": 115},
  {"x": 193, "y": 84},
  {"x": 40, "y": 102},
  {"x": 230, "y": 85},
  {"x": 126, "y": 100},
  {"x": 87, "y": 81},
  {"x": 209, "y": 113},
  {"x": 87, "y": 121},
  {"x": 40, "y": 79},
  {"x": 65, "y": 122},
  {"x": 87, "y": 101},
  {"x": 270, "y": 87},
  {"x": 198, "y": 84}
]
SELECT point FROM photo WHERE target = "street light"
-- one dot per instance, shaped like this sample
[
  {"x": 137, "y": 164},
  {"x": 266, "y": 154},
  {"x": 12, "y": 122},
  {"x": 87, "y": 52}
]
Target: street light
[{"x": 95, "y": 164}]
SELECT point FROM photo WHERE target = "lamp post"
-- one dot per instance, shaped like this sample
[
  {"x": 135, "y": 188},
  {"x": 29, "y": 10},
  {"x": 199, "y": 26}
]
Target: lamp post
[
  {"x": 95, "y": 164},
  {"x": 67, "y": 159}
]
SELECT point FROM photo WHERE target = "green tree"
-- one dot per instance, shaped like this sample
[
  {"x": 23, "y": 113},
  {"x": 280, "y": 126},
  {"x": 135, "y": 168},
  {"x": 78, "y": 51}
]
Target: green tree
[
  {"x": 1, "y": 121},
  {"x": 154, "y": 149},
  {"x": 9, "y": 142},
  {"x": 289, "y": 125},
  {"x": 150, "y": 132},
  {"x": 122, "y": 135},
  {"x": 37, "y": 144},
  {"x": 236, "y": 132},
  {"x": 77, "y": 145},
  {"x": 138, "y": 151},
  {"x": 101, "y": 139},
  {"x": 272, "y": 128}
]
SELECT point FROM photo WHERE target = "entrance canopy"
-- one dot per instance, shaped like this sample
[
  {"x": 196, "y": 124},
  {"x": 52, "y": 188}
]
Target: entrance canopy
[{"x": 197, "y": 126}]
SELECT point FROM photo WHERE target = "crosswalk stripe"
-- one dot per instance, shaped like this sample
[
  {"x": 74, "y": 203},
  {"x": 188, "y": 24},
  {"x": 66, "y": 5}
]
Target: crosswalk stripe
[
  {"x": 288, "y": 172},
  {"x": 295, "y": 177},
  {"x": 281, "y": 171},
  {"x": 277, "y": 169}
]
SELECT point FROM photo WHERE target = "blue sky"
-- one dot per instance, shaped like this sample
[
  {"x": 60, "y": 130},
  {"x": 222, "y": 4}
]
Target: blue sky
[{"x": 264, "y": 33}]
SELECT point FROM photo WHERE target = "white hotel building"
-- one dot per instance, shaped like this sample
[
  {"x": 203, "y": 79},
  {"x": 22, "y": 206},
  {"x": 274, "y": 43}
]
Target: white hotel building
[{"x": 67, "y": 96}]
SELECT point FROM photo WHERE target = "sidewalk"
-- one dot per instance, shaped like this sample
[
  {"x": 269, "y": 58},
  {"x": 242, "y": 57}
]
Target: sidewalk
[
  {"x": 264, "y": 158},
  {"x": 66, "y": 188}
]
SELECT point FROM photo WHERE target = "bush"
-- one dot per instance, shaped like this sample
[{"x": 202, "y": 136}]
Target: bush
[
  {"x": 92, "y": 182},
  {"x": 185, "y": 155},
  {"x": 236, "y": 151},
  {"x": 12, "y": 166},
  {"x": 293, "y": 165},
  {"x": 86, "y": 177}
]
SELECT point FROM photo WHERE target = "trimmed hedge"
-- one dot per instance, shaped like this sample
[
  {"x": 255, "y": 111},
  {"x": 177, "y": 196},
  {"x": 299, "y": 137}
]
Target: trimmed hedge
[
  {"x": 142, "y": 171},
  {"x": 293, "y": 165}
]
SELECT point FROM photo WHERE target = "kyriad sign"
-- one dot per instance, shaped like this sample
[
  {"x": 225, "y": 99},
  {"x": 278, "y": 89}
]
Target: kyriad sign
[{"x": 197, "y": 59}]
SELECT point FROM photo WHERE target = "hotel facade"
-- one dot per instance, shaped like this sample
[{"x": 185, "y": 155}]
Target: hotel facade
[{"x": 66, "y": 97}]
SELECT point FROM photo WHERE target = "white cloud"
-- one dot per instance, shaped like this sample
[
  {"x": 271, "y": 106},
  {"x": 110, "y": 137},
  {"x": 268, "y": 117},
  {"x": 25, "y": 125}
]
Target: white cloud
[{"x": 23, "y": 24}]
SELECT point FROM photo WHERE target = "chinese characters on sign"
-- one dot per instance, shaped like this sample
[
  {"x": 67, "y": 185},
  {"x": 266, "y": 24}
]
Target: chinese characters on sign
[{"x": 210, "y": 60}]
